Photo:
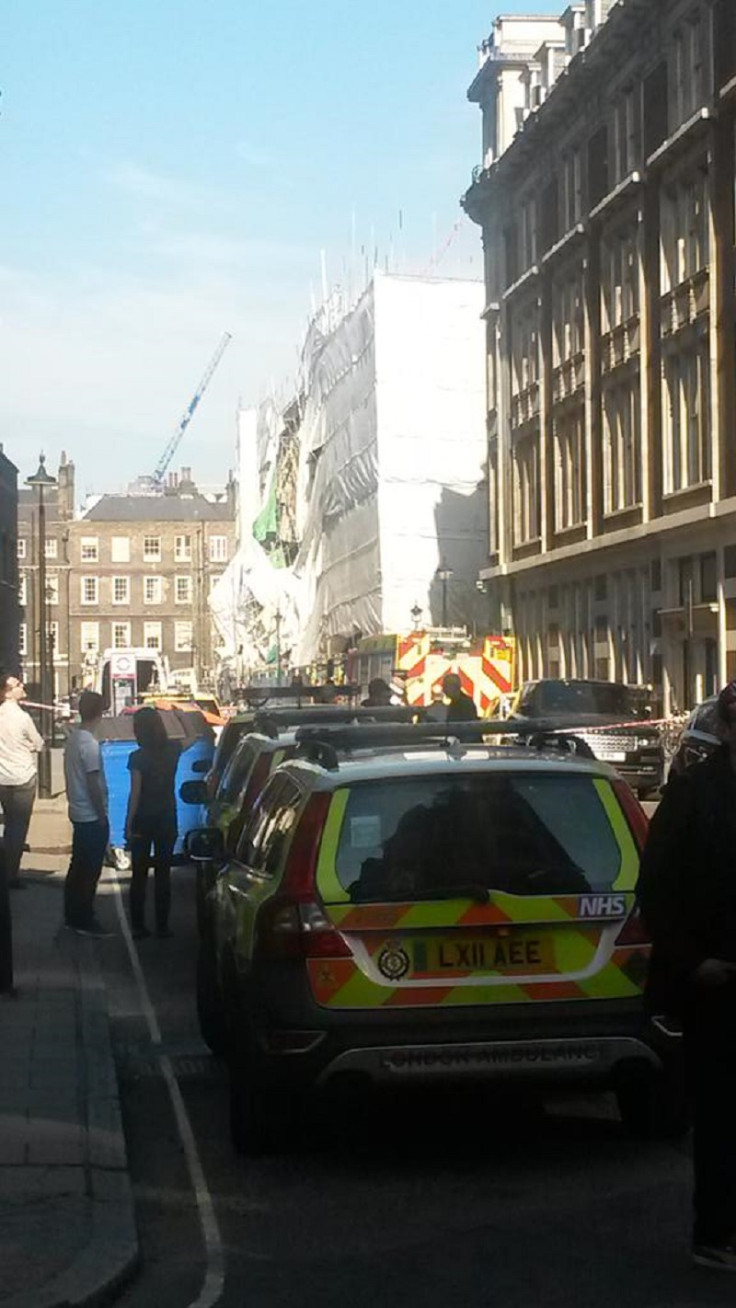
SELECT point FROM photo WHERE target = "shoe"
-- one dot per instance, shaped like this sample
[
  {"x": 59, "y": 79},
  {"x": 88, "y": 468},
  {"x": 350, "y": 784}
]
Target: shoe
[
  {"x": 95, "y": 929},
  {"x": 140, "y": 933},
  {"x": 720, "y": 1255},
  {"x": 163, "y": 933}
]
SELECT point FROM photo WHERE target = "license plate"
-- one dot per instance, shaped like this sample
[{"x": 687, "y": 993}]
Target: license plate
[
  {"x": 611, "y": 755},
  {"x": 519, "y": 953}
]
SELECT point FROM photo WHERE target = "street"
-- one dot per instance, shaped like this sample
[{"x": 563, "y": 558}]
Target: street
[{"x": 454, "y": 1197}]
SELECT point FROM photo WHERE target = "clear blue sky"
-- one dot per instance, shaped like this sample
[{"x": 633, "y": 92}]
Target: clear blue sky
[{"x": 173, "y": 169}]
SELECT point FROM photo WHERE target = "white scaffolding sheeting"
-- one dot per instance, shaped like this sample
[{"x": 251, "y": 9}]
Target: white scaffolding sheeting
[{"x": 391, "y": 477}]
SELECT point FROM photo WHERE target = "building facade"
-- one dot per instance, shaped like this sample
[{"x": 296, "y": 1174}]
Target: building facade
[
  {"x": 9, "y": 609},
  {"x": 59, "y": 506},
  {"x": 141, "y": 571},
  {"x": 606, "y": 202}
]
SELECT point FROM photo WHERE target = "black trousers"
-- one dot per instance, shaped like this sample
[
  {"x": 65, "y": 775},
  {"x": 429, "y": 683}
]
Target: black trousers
[
  {"x": 89, "y": 842},
  {"x": 159, "y": 834},
  {"x": 710, "y": 1054},
  {"x": 17, "y": 805}
]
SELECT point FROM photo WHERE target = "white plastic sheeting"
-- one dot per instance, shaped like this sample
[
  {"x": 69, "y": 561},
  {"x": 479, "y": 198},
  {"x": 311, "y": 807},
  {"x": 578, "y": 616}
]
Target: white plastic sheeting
[{"x": 391, "y": 476}]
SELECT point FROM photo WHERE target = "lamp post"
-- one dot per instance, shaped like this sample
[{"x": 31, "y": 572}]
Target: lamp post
[
  {"x": 277, "y": 619},
  {"x": 416, "y": 613},
  {"x": 444, "y": 574},
  {"x": 41, "y": 481}
]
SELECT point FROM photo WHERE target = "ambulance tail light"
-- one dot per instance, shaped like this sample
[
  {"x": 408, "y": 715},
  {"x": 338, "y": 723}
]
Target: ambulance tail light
[
  {"x": 634, "y": 930},
  {"x": 633, "y": 812},
  {"x": 293, "y": 924}
]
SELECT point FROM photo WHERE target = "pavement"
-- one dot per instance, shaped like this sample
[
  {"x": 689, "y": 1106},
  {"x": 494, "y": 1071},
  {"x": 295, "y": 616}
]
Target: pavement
[{"x": 67, "y": 1222}]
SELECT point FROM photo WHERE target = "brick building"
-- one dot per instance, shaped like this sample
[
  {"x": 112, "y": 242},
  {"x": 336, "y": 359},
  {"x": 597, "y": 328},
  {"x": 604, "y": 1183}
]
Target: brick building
[
  {"x": 59, "y": 505},
  {"x": 142, "y": 567},
  {"x": 606, "y": 202},
  {"x": 9, "y": 610}
]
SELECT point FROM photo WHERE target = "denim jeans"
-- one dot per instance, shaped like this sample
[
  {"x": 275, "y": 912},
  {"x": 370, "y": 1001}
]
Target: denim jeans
[
  {"x": 89, "y": 843},
  {"x": 161, "y": 834},
  {"x": 17, "y": 805}
]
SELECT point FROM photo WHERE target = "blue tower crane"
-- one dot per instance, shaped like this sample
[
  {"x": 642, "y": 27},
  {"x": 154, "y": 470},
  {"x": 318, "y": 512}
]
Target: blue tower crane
[{"x": 189, "y": 412}]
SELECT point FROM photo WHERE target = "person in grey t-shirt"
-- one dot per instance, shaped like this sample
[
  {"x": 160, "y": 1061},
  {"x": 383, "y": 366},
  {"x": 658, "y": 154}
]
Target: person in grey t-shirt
[{"x": 86, "y": 795}]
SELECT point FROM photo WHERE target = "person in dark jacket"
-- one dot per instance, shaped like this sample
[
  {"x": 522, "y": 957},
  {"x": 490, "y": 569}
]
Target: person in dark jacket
[
  {"x": 687, "y": 895},
  {"x": 151, "y": 819},
  {"x": 379, "y": 694},
  {"x": 461, "y": 707}
]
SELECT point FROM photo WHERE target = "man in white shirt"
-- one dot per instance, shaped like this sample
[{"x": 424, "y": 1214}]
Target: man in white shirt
[
  {"x": 86, "y": 794},
  {"x": 20, "y": 745}
]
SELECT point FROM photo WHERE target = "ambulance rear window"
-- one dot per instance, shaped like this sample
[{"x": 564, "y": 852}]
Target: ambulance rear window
[{"x": 523, "y": 834}]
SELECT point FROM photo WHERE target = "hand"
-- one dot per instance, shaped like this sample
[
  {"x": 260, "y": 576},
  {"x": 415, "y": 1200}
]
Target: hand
[{"x": 713, "y": 972}]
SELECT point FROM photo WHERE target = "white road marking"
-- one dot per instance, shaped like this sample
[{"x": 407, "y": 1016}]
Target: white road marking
[{"x": 214, "y": 1281}]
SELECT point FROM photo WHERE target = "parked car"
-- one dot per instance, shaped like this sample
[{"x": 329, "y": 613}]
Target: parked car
[
  {"x": 404, "y": 908},
  {"x": 609, "y": 716},
  {"x": 700, "y": 736}
]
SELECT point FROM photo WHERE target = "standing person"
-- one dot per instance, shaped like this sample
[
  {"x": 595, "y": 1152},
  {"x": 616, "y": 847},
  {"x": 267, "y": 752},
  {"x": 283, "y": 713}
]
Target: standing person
[
  {"x": 20, "y": 744},
  {"x": 86, "y": 794},
  {"x": 687, "y": 893},
  {"x": 379, "y": 694},
  {"x": 151, "y": 819},
  {"x": 461, "y": 707}
]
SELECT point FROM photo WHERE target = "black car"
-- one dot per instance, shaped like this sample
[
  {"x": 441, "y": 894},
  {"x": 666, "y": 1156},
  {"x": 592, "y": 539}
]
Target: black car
[
  {"x": 700, "y": 736},
  {"x": 613, "y": 720}
]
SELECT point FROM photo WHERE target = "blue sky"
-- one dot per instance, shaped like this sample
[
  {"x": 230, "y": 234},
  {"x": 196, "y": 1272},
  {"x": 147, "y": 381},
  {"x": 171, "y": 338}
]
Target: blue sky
[{"x": 171, "y": 170}]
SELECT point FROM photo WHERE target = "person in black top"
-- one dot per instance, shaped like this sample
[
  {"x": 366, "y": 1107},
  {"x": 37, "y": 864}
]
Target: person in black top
[
  {"x": 461, "y": 707},
  {"x": 687, "y": 896},
  {"x": 151, "y": 819},
  {"x": 379, "y": 694}
]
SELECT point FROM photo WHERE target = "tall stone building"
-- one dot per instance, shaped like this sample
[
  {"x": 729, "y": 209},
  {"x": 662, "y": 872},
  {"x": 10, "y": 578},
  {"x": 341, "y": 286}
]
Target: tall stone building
[
  {"x": 9, "y": 610},
  {"x": 606, "y": 202},
  {"x": 141, "y": 571}
]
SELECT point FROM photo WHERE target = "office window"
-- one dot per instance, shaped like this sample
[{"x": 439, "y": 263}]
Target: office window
[
  {"x": 685, "y": 240},
  {"x": 21, "y": 548},
  {"x": 621, "y": 448},
  {"x": 686, "y": 420},
  {"x": 121, "y": 590},
  {"x": 620, "y": 277},
  {"x": 569, "y": 439},
  {"x": 90, "y": 588},
  {"x": 527, "y": 505},
  {"x": 183, "y": 549},
  {"x": 51, "y": 548},
  {"x": 218, "y": 549},
  {"x": 52, "y": 590},
  {"x": 183, "y": 590},
  {"x": 182, "y": 637},
  {"x": 90, "y": 637},
  {"x": 23, "y": 589},
  {"x": 152, "y": 549},
  {"x": 120, "y": 549},
  {"x": 90, "y": 549},
  {"x": 120, "y": 635},
  {"x": 23, "y": 639},
  {"x": 152, "y": 590},
  {"x": 152, "y": 635}
]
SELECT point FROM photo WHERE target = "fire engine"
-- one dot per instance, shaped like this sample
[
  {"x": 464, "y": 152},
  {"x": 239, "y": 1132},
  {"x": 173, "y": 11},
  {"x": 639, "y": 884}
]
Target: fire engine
[{"x": 416, "y": 664}]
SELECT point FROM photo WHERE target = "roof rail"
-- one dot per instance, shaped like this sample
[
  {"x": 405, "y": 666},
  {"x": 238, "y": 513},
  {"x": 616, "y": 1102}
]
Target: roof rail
[
  {"x": 319, "y": 751},
  {"x": 270, "y": 721},
  {"x": 539, "y": 733},
  {"x": 260, "y": 695}
]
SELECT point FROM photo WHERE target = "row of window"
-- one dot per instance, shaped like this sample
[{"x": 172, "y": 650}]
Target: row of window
[
  {"x": 642, "y": 117},
  {"x": 120, "y": 637},
  {"x": 686, "y": 449},
  {"x": 120, "y": 589},
  {"x": 120, "y": 549}
]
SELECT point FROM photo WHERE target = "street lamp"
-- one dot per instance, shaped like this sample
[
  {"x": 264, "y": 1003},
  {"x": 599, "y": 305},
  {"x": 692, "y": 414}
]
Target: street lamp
[
  {"x": 416, "y": 613},
  {"x": 41, "y": 481},
  {"x": 444, "y": 574}
]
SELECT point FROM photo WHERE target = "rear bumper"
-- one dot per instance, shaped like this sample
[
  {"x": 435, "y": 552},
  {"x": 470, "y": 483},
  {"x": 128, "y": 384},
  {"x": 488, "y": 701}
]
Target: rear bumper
[{"x": 514, "y": 1060}]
